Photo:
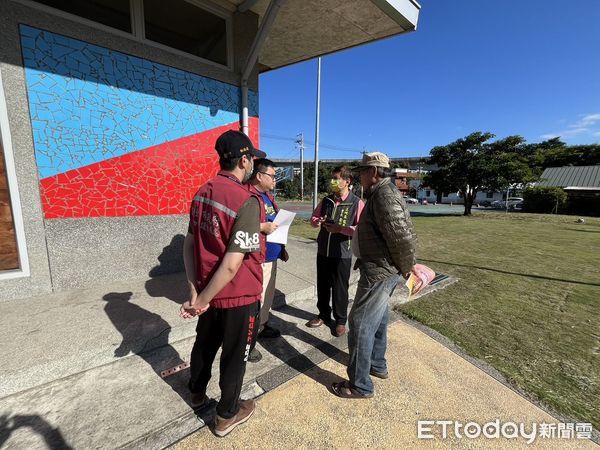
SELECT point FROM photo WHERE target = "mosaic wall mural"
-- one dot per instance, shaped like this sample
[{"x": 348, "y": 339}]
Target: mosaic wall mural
[{"x": 118, "y": 135}]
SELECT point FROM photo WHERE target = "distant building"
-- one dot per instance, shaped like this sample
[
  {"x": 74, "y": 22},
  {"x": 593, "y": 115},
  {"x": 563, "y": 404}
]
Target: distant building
[
  {"x": 405, "y": 181},
  {"x": 575, "y": 179},
  {"x": 581, "y": 183},
  {"x": 408, "y": 179}
]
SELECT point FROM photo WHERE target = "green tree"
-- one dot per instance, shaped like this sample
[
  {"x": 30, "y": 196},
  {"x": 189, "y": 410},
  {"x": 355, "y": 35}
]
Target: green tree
[
  {"x": 291, "y": 188},
  {"x": 473, "y": 164},
  {"x": 555, "y": 153},
  {"x": 540, "y": 199}
]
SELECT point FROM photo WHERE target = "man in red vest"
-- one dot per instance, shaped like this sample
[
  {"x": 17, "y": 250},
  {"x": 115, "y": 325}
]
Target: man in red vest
[{"x": 223, "y": 252}]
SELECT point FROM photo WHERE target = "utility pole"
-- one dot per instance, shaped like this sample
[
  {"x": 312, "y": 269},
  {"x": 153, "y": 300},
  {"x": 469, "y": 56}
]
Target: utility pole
[
  {"x": 300, "y": 142},
  {"x": 316, "y": 190},
  {"x": 362, "y": 190}
]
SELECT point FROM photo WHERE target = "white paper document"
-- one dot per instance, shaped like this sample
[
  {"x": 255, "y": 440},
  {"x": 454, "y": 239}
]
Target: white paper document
[{"x": 284, "y": 220}]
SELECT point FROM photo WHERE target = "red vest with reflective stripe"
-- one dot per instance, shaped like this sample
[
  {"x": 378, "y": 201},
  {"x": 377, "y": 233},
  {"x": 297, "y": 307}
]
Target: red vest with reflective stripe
[
  {"x": 213, "y": 213},
  {"x": 256, "y": 192}
]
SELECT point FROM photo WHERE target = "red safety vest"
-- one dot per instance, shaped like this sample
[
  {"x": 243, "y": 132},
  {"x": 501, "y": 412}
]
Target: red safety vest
[
  {"x": 256, "y": 192},
  {"x": 213, "y": 213}
]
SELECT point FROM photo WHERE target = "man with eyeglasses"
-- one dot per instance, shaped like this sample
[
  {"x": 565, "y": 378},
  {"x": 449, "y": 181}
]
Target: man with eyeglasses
[{"x": 262, "y": 182}]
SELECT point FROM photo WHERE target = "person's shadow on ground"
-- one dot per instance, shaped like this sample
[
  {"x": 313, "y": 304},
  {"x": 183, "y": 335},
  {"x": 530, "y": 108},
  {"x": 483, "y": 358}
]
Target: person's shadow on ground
[
  {"x": 168, "y": 278},
  {"x": 306, "y": 363},
  {"x": 145, "y": 334},
  {"x": 170, "y": 259},
  {"x": 53, "y": 438}
]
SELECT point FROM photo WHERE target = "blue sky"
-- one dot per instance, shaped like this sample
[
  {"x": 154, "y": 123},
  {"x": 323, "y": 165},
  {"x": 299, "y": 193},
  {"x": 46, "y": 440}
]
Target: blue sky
[{"x": 527, "y": 67}]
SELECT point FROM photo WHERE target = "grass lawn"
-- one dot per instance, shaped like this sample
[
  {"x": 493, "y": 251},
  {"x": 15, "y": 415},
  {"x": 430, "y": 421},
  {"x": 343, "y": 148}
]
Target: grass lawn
[
  {"x": 528, "y": 300},
  {"x": 302, "y": 228}
]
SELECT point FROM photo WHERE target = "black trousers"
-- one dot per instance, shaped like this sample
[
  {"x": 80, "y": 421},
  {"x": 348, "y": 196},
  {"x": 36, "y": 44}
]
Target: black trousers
[
  {"x": 333, "y": 275},
  {"x": 235, "y": 330}
]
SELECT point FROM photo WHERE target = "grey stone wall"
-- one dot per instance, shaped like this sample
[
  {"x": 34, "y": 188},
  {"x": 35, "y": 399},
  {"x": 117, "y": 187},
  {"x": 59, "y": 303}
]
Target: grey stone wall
[
  {"x": 73, "y": 253},
  {"x": 86, "y": 252}
]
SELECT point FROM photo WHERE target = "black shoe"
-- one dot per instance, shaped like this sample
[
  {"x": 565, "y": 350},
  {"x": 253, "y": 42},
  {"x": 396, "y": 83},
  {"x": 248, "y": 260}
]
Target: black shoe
[
  {"x": 269, "y": 332},
  {"x": 198, "y": 401},
  {"x": 254, "y": 356}
]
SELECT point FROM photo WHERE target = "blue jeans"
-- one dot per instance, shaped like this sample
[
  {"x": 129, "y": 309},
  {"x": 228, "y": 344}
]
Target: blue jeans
[{"x": 367, "y": 338}]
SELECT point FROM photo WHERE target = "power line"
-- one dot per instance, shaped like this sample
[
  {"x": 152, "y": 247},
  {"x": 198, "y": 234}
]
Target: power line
[
  {"x": 290, "y": 153},
  {"x": 311, "y": 143},
  {"x": 338, "y": 149},
  {"x": 277, "y": 138}
]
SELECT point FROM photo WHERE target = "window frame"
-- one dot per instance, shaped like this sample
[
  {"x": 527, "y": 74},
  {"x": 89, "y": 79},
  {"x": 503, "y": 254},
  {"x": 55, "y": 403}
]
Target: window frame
[
  {"x": 138, "y": 25},
  {"x": 13, "y": 189},
  {"x": 136, "y": 9}
]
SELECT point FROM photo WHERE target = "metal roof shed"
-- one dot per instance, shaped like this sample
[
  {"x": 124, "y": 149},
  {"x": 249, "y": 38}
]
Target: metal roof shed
[{"x": 585, "y": 177}]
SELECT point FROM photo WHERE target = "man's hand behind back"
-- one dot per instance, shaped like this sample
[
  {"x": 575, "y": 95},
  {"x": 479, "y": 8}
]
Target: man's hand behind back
[{"x": 188, "y": 311}]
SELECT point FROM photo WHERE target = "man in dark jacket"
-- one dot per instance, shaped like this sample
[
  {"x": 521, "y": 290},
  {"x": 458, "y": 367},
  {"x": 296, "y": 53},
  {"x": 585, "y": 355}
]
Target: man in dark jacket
[{"x": 384, "y": 244}]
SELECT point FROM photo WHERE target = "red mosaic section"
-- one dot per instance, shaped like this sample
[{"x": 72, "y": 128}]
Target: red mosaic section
[{"x": 158, "y": 180}]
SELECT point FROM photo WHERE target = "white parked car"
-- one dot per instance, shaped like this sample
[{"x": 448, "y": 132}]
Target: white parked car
[
  {"x": 513, "y": 203},
  {"x": 410, "y": 200}
]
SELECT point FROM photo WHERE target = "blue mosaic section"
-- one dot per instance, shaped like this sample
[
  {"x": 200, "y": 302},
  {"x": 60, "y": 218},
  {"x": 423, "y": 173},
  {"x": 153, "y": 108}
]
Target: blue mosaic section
[{"x": 89, "y": 103}]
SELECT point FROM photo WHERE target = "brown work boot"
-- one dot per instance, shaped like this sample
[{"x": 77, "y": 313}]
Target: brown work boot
[
  {"x": 224, "y": 426},
  {"x": 315, "y": 323},
  {"x": 340, "y": 330}
]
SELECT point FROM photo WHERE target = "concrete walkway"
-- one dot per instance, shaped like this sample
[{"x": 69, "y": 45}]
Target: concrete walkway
[
  {"x": 427, "y": 382},
  {"x": 81, "y": 369}
]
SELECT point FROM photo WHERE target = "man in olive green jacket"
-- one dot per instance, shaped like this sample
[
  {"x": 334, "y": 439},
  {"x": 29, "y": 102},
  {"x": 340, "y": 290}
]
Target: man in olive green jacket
[{"x": 384, "y": 243}]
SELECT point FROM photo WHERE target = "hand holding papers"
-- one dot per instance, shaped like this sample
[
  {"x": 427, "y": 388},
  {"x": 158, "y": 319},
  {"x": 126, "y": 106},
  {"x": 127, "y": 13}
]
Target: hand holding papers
[
  {"x": 419, "y": 279},
  {"x": 284, "y": 220}
]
